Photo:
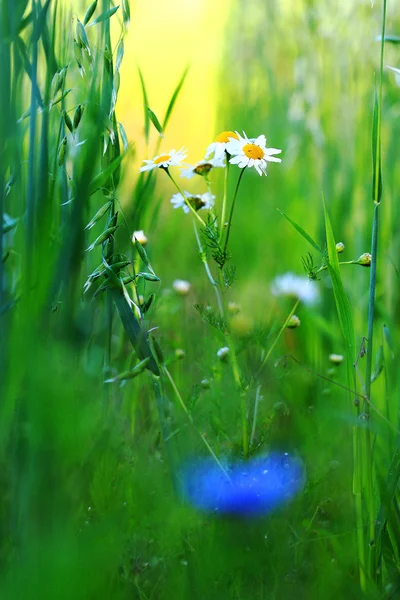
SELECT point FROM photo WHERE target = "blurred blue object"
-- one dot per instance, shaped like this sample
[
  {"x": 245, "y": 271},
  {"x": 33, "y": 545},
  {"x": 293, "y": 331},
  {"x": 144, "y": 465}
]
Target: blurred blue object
[{"x": 251, "y": 488}]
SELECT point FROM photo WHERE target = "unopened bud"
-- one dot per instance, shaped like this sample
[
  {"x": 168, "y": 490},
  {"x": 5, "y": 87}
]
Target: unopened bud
[
  {"x": 294, "y": 322},
  {"x": 365, "y": 260},
  {"x": 339, "y": 247},
  {"x": 140, "y": 237},
  {"x": 223, "y": 353},
  {"x": 179, "y": 353},
  {"x": 181, "y": 287},
  {"x": 336, "y": 359}
]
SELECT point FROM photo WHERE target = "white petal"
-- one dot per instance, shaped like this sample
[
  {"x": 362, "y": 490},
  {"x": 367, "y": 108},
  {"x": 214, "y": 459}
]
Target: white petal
[
  {"x": 236, "y": 159},
  {"x": 260, "y": 141}
]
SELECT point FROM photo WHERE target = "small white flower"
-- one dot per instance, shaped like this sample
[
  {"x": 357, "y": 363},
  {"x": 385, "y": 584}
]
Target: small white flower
[
  {"x": 336, "y": 359},
  {"x": 251, "y": 152},
  {"x": 203, "y": 167},
  {"x": 218, "y": 147},
  {"x": 174, "y": 158},
  {"x": 181, "y": 287},
  {"x": 296, "y": 286},
  {"x": 140, "y": 237},
  {"x": 197, "y": 201},
  {"x": 223, "y": 353}
]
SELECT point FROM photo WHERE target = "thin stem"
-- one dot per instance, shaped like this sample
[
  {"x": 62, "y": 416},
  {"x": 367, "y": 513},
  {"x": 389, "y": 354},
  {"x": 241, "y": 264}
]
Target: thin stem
[
  {"x": 190, "y": 418},
  {"x": 223, "y": 213},
  {"x": 367, "y": 463},
  {"x": 256, "y": 403},
  {"x": 282, "y": 329},
  {"x": 208, "y": 271},
  {"x": 232, "y": 208},
  {"x": 185, "y": 199}
]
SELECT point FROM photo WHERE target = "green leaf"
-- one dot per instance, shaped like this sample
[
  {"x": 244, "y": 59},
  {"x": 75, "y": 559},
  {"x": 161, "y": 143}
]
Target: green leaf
[
  {"x": 156, "y": 122},
  {"x": 303, "y": 233},
  {"x": 146, "y": 112},
  {"x": 107, "y": 14},
  {"x": 103, "y": 177},
  {"x": 376, "y": 153},
  {"x": 174, "y": 98},
  {"x": 135, "y": 331}
]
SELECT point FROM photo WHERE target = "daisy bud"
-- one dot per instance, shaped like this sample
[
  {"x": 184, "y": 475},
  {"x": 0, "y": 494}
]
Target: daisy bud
[
  {"x": 179, "y": 353},
  {"x": 339, "y": 247},
  {"x": 293, "y": 322},
  {"x": 336, "y": 359},
  {"x": 205, "y": 384},
  {"x": 181, "y": 287},
  {"x": 365, "y": 260},
  {"x": 140, "y": 237},
  {"x": 233, "y": 308},
  {"x": 223, "y": 353}
]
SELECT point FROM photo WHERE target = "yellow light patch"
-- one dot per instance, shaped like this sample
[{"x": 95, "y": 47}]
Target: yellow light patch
[
  {"x": 253, "y": 151},
  {"x": 162, "y": 159},
  {"x": 225, "y": 135}
]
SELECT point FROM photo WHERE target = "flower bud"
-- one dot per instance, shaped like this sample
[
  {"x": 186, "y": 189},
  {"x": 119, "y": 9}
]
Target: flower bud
[
  {"x": 179, "y": 353},
  {"x": 365, "y": 260},
  {"x": 223, "y": 353},
  {"x": 140, "y": 237},
  {"x": 181, "y": 287},
  {"x": 336, "y": 359},
  {"x": 339, "y": 247},
  {"x": 293, "y": 322}
]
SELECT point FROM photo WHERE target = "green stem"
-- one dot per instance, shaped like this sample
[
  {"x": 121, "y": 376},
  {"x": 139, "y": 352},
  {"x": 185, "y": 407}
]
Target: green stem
[
  {"x": 232, "y": 208},
  {"x": 190, "y": 419},
  {"x": 208, "y": 271},
  {"x": 223, "y": 212},
  {"x": 368, "y": 458},
  {"x": 282, "y": 329},
  {"x": 185, "y": 199}
]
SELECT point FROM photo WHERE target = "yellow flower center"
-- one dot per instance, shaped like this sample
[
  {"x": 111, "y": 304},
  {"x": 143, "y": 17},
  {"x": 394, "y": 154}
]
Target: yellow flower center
[
  {"x": 203, "y": 169},
  {"x": 253, "y": 151},
  {"x": 225, "y": 135},
  {"x": 162, "y": 159}
]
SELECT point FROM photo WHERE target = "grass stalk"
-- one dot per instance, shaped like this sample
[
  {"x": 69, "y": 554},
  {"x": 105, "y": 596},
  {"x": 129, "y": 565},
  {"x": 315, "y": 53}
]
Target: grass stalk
[{"x": 367, "y": 455}]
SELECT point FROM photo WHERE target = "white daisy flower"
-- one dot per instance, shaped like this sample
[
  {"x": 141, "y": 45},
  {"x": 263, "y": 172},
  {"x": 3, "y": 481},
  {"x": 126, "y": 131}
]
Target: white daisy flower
[
  {"x": 296, "y": 286},
  {"x": 218, "y": 147},
  {"x": 197, "y": 201},
  {"x": 251, "y": 152},
  {"x": 174, "y": 158},
  {"x": 203, "y": 167}
]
